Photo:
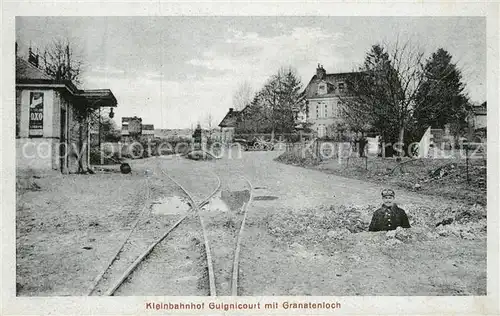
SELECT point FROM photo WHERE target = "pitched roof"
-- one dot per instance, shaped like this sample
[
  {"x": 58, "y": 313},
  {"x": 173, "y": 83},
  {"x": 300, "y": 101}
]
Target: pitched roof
[
  {"x": 230, "y": 119},
  {"x": 25, "y": 70},
  {"x": 332, "y": 80},
  {"x": 26, "y": 73},
  {"x": 480, "y": 109}
]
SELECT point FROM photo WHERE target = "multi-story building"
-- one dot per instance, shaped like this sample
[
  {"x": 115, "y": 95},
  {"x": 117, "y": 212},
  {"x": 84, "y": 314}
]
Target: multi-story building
[{"x": 325, "y": 95}]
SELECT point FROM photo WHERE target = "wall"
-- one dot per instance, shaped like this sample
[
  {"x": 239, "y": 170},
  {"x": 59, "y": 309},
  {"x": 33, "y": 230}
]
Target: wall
[
  {"x": 227, "y": 134},
  {"x": 48, "y": 112},
  {"x": 77, "y": 140},
  {"x": 480, "y": 121},
  {"x": 36, "y": 153},
  {"x": 318, "y": 118},
  {"x": 43, "y": 152}
]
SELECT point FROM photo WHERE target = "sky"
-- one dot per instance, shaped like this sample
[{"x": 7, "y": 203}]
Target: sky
[{"x": 176, "y": 71}]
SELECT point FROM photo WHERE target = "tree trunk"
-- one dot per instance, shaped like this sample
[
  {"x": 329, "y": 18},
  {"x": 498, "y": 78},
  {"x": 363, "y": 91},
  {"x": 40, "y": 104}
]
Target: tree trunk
[{"x": 400, "y": 141}]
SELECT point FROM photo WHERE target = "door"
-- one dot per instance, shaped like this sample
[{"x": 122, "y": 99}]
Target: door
[{"x": 63, "y": 145}]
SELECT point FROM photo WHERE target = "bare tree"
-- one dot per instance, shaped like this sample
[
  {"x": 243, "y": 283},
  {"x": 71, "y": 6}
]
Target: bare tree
[
  {"x": 384, "y": 90},
  {"x": 242, "y": 96},
  {"x": 210, "y": 123},
  {"x": 61, "y": 62}
]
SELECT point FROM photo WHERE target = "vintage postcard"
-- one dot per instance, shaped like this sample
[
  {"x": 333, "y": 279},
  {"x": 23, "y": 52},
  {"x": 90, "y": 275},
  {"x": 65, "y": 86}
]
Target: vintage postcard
[{"x": 252, "y": 159}]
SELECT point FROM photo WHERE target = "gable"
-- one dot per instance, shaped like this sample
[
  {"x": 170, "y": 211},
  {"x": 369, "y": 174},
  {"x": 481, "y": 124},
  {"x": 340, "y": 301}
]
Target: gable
[
  {"x": 332, "y": 82},
  {"x": 230, "y": 119}
]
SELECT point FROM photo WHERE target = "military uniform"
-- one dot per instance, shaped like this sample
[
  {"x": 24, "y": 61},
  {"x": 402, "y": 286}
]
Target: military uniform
[{"x": 388, "y": 218}]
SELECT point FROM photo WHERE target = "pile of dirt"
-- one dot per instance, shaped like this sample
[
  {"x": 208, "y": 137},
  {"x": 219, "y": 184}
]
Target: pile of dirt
[
  {"x": 314, "y": 224},
  {"x": 291, "y": 158},
  {"x": 457, "y": 173},
  {"x": 330, "y": 223},
  {"x": 200, "y": 155}
]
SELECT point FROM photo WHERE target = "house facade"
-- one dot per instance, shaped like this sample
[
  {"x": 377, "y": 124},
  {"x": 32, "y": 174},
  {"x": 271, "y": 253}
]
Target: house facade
[
  {"x": 228, "y": 125},
  {"x": 52, "y": 129},
  {"x": 480, "y": 119},
  {"x": 324, "y": 96}
]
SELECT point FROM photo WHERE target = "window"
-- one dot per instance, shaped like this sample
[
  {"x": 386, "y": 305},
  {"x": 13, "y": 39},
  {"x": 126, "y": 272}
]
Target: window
[
  {"x": 321, "y": 130},
  {"x": 326, "y": 110},
  {"x": 341, "y": 87},
  {"x": 317, "y": 110},
  {"x": 340, "y": 108},
  {"x": 322, "y": 88}
]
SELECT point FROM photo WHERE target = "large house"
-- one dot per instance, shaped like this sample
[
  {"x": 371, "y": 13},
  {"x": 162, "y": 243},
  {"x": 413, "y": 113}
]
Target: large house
[
  {"x": 52, "y": 122},
  {"x": 324, "y": 97}
]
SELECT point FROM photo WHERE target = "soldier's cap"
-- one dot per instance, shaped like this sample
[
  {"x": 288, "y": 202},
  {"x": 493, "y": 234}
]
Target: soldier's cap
[{"x": 388, "y": 192}]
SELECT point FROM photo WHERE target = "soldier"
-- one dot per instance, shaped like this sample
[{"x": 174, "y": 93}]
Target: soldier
[{"x": 389, "y": 216}]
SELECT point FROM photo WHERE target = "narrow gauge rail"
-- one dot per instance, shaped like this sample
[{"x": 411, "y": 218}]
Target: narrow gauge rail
[
  {"x": 236, "y": 262},
  {"x": 143, "y": 256}
]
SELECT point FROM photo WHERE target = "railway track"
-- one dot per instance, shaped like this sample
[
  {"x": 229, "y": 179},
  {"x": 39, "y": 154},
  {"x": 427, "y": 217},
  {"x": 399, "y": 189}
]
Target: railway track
[{"x": 124, "y": 283}]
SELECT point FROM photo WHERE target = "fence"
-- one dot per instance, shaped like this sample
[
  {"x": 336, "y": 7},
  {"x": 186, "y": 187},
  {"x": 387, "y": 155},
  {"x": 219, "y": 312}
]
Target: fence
[{"x": 325, "y": 149}]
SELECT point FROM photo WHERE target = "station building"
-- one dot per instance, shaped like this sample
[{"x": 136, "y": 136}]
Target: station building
[{"x": 52, "y": 119}]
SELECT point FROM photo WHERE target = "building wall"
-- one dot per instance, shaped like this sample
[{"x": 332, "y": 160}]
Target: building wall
[
  {"x": 227, "y": 134},
  {"x": 48, "y": 100},
  {"x": 44, "y": 152},
  {"x": 36, "y": 153},
  {"x": 323, "y": 113},
  {"x": 39, "y": 152},
  {"x": 480, "y": 121},
  {"x": 77, "y": 140}
]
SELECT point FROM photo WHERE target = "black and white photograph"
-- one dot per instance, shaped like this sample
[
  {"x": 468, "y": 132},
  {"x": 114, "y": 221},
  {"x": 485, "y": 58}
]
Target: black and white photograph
[{"x": 251, "y": 156}]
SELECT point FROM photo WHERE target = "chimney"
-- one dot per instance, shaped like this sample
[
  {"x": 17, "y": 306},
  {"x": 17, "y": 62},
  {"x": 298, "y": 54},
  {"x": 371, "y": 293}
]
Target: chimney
[
  {"x": 320, "y": 72},
  {"x": 231, "y": 110},
  {"x": 32, "y": 58}
]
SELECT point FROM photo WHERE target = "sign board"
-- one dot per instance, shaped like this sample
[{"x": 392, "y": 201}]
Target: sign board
[{"x": 36, "y": 114}]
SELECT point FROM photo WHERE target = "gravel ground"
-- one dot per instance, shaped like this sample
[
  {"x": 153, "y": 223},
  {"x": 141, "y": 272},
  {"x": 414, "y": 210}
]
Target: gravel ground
[
  {"x": 361, "y": 263},
  {"x": 417, "y": 175},
  {"x": 69, "y": 229},
  {"x": 304, "y": 233}
]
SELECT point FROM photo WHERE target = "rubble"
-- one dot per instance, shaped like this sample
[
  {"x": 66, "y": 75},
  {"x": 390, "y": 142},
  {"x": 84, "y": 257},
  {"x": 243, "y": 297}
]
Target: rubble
[{"x": 335, "y": 223}]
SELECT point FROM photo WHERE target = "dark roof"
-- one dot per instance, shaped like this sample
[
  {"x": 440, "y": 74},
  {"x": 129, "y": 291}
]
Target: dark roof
[
  {"x": 148, "y": 127},
  {"x": 25, "y": 70},
  {"x": 128, "y": 119},
  {"x": 230, "y": 119},
  {"x": 26, "y": 73},
  {"x": 98, "y": 97},
  {"x": 311, "y": 91},
  {"x": 480, "y": 109}
]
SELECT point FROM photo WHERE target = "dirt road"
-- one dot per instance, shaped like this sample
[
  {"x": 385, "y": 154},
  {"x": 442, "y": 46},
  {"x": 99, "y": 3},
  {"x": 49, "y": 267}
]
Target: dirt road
[{"x": 291, "y": 245}]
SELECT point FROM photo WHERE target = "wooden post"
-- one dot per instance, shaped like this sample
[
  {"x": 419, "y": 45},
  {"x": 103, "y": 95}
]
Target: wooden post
[
  {"x": 99, "y": 136},
  {"x": 467, "y": 162}
]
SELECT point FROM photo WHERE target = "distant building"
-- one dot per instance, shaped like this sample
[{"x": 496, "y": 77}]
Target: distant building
[
  {"x": 228, "y": 125},
  {"x": 171, "y": 134},
  {"x": 52, "y": 125},
  {"x": 324, "y": 95},
  {"x": 133, "y": 128},
  {"x": 148, "y": 130},
  {"x": 479, "y": 120}
]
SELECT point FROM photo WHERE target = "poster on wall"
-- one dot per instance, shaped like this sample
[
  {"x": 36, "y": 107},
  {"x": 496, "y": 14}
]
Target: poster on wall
[{"x": 36, "y": 114}]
